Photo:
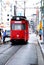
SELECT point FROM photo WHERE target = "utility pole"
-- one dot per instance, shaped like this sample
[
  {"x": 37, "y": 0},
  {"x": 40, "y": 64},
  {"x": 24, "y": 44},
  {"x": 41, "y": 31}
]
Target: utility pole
[
  {"x": 42, "y": 16},
  {"x": 15, "y": 9},
  {"x": 43, "y": 21},
  {"x": 24, "y": 7},
  {"x": 41, "y": 12}
]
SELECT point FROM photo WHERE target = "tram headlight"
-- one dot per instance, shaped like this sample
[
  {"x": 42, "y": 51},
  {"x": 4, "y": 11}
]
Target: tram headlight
[
  {"x": 17, "y": 18},
  {"x": 17, "y": 35}
]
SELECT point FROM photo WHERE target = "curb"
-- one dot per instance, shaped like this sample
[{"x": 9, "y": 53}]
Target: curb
[{"x": 40, "y": 44}]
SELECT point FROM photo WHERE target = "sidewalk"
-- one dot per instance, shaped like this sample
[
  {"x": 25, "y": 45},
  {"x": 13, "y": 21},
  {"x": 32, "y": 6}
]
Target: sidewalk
[
  {"x": 6, "y": 40},
  {"x": 41, "y": 44}
]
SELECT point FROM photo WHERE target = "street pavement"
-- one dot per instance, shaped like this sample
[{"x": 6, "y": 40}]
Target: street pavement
[
  {"x": 41, "y": 44},
  {"x": 40, "y": 47},
  {"x": 35, "y": 39},
  {"x": 6, "y": 52},
  {"x": 29, "y": 54},
  {"x": 26, "y": 55}
]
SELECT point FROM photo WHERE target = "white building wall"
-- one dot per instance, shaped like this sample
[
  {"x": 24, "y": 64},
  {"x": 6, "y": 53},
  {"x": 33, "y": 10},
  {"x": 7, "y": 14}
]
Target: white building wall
[
  {"x": 0, "y": 12},
  {"x": 7, "y": 8}
]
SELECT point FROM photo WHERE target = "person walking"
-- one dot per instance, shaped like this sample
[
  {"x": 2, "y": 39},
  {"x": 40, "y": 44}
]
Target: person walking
[
  {"x": 4, "y": 36},
  {"x": 36, "y": 32},
  {"x": 40, "y": 34}
]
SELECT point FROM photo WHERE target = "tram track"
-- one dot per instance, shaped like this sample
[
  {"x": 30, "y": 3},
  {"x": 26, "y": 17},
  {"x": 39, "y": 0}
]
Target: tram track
[
  {"x": 4, "y": 47},
  {"x": 26, "y": 55},
  {"x": 8, "y": 53}
]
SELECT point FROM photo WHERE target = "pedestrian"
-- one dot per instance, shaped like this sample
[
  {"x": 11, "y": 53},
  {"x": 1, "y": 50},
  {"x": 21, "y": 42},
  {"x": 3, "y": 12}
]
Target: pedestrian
[
  {"x": 0, "y": 36},
  {"x": 36, "y": 32},
  {"x": 40, "y": 34},
  {"x": 4, "y": 36}
]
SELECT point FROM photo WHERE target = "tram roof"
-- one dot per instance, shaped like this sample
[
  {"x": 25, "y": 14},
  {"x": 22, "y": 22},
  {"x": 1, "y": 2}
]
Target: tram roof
[{"x": 18, "y": 18}]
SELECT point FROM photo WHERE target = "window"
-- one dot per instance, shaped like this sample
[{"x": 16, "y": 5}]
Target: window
[
  {"x": 7, "y": 14},
  {"x": 18, "y": 26},
  {"x": 7, "y": 19}
]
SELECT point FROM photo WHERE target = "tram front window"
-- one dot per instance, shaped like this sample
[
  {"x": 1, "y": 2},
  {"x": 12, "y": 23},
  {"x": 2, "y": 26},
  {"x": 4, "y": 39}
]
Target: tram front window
[{"x": 18, "y": 26}]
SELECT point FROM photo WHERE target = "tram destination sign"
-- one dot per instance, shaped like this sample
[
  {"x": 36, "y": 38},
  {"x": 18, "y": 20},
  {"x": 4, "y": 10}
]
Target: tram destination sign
[{"x": 17, "y": 21}]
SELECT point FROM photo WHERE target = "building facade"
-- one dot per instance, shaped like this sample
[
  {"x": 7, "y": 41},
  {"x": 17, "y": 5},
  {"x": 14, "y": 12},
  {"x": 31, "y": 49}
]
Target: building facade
[{"x": 6, "y": 12}]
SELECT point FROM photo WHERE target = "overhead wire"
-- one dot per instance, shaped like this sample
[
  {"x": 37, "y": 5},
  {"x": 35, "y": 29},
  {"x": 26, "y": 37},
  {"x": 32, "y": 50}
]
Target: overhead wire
[{"x": 27, "y": 7}]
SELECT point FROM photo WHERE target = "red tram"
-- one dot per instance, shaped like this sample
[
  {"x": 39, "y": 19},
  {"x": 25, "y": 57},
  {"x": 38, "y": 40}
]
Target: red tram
[{"x": 19, "y": 29}]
